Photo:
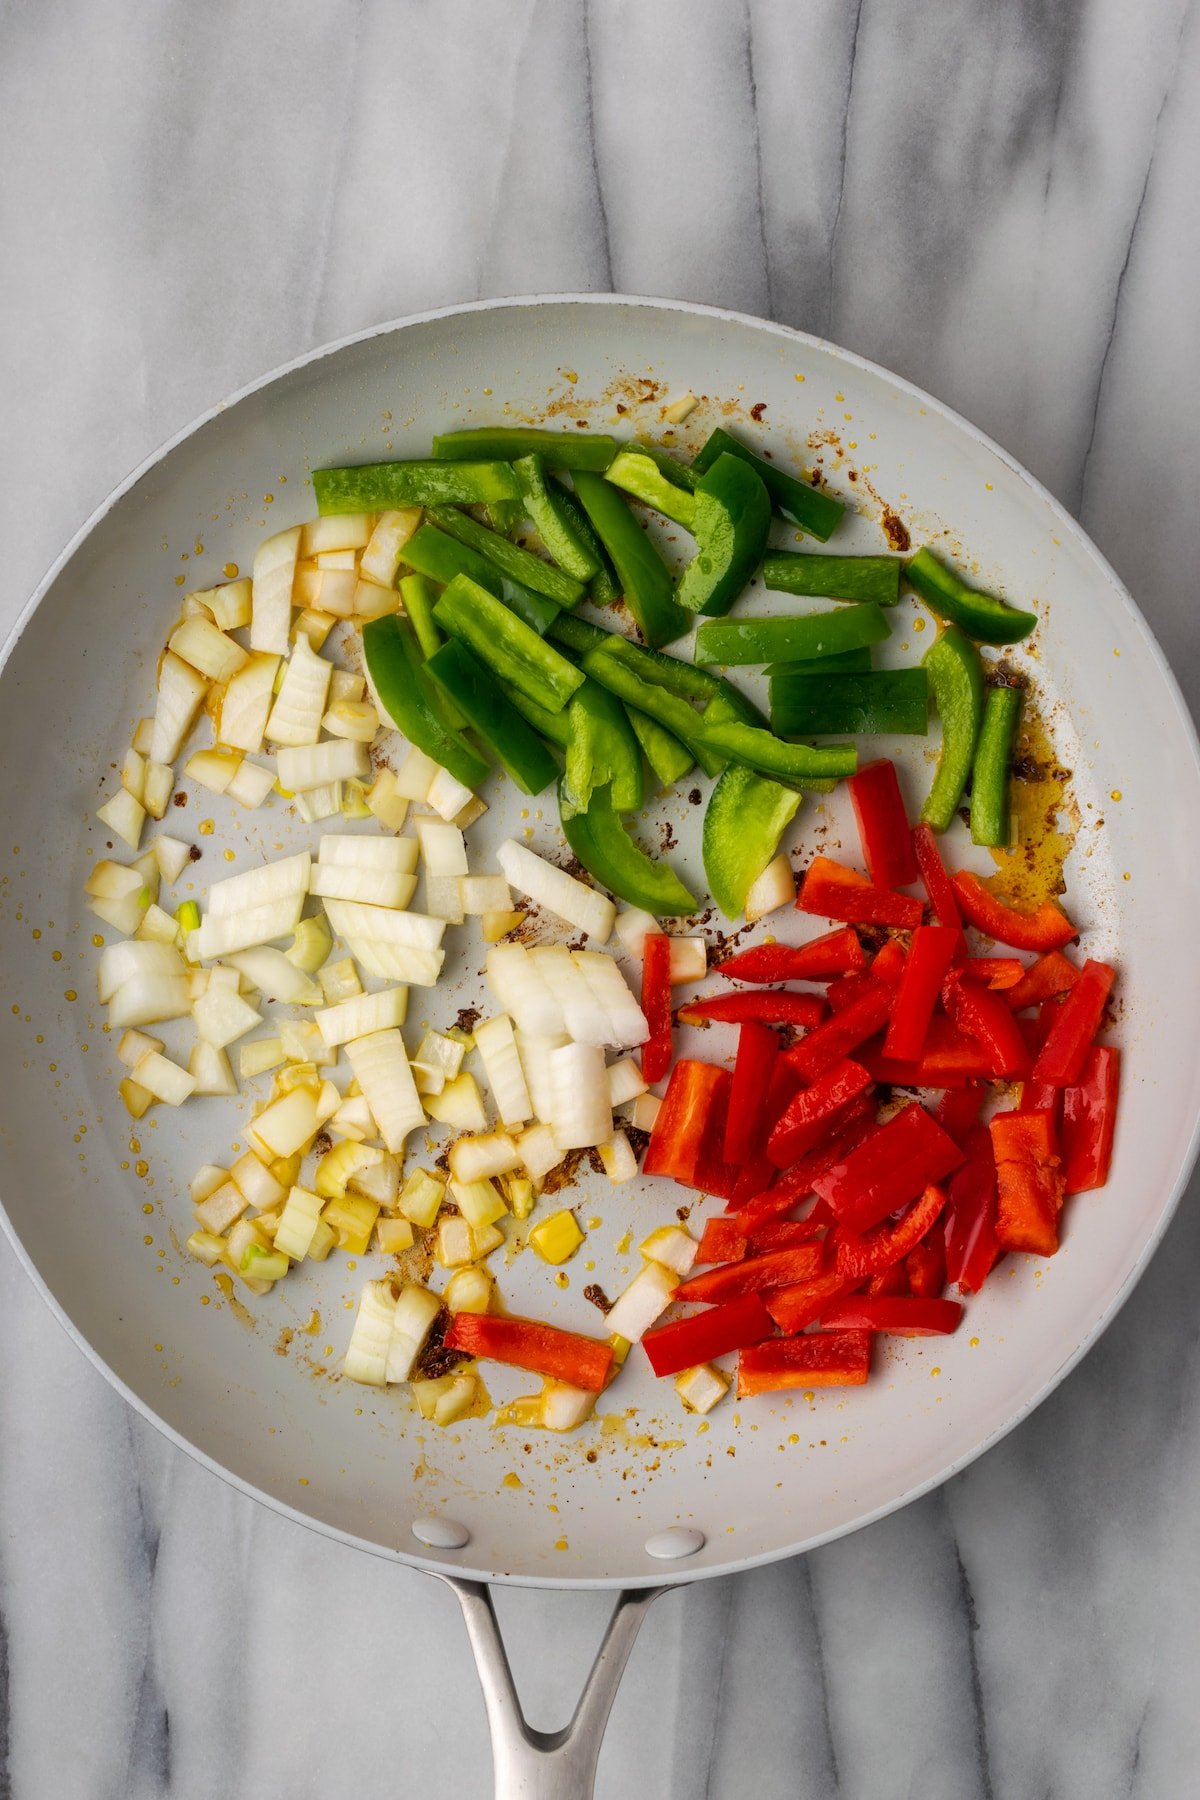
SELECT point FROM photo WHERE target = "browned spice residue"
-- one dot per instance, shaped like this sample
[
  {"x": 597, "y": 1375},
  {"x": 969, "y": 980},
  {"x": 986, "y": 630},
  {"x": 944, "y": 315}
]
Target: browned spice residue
[
  {"x": 179, "y": 799},
  {"x": 895, "y": 530},
  {"x": 283, "y": 1342},
  {"x": 667, "y": 836},
  {"x": 467, "y": 1018},
  {"x": 757, "y": 411},
  {"x": 435, "y": 1359},
  {"x": 195, "y": 853},
  {"x": 596, "y": 1294},
  {"x": 694, "y": 797}
]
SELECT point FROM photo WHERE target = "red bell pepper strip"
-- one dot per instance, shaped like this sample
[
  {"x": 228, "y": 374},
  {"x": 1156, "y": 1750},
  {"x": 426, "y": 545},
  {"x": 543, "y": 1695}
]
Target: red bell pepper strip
[
  {"x": 797, "y": 1184},
  {"x": 890, "y": 1281},
  {"x": 925, "y": 1268},
  {"x": 528, "y": 1344},
  {"x": 753, "y": 1177},
  {"x": 1045, "y": 979},
  {"x": 1029, "y": 1182},
  {"x": 712, "y": 1174},
  {"x": 835, "y": 953},
  {"x": 899, "y": 1318},
  {"x": 836, "y": 892},
  {"x": 838, "y": 1035},
  {"x": 769, "y": 1006},
  {"x": 971, "y": 1247},
  {"x": 987, "y": 1018},
  {"x": 754, "y": 1274},
  {"x": 891, "y": 1168},
  {"x": 792, "y": 1308},
  {"x": 677, "y": 1141},
  {"x": 1062, "y": 1056},
  {"x": 1041, "y": 1096},
  {"x": 1089, "y": 1120},
  {"x": 1046, "y": 929},
  {"x": 957, "y": 1111},
  {"x": 801, "y": 1362},
  {"x": 938, "y": 884},
  {"x": 846, "y": 988},
  {"x": 857, "y": 1258},
  {"x": 656, "y": 1004},
  {"x": 721, "y": 1242},
  {"x": 757, "y": 1051},
  {"x": 808, "y": 1117},
  {"x": 888, "y": 963},
  {"x": 883, "y": 827},
  {"x": 685, "y": 1342},
  {"x": 785, "y": 1234},
  {"x": 950, "y": 1059},
  {"x": 998, "y": 972},
  {"x": 933, "y": 950}
]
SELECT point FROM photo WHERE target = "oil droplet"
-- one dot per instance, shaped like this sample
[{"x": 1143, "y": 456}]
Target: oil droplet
[
  {"x": 198, "y": 548},
  {"x": 56, "y": 956},
  {"x": 974, "y": 1343},
  {"x": 793, "y": 1437},
  {"x": 800, "y": 378},
  {"x": 562, "y": 1279},
  {"x": 16, "y": 1012},
  {"x": 230, "y": 855},
  {"x": 918, "y": 624},
  {"x": 230, "y": 571},
  {"x": 36, "y": 932},
  {"x": 179, "y": 580},
  {"x": 206, "y": 1299},
  {"x": 268, "y": 499},
  {"x": 70, "y": 994},
  {"x": 935, "y": 1370},
  {"x": 148, "y": 1207},
  {"x": 486, "y": 391},
  {"x": 571, "y": 376},
  {"x": 303, "y": 1480},
  {"x": 97, "y": 941},
  {"x": 839, "y": 396},
  {"x": 148, "y": 1239},
  {"x": 1115, "y": 795},
  {"x": 135, "y": 1145},
  {"x": 512, "y": 1481},
  {"x": 595, "y": 1222},
  {"x": 1127, "y": 876},
  {"x": 141, "y": 1168},
  {"x": 561, "y": 1544},
  {"x": 206, "y": 827}
]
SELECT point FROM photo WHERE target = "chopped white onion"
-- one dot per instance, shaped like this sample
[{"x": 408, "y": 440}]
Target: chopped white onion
[
  {"x": 230, "y": 604},
  {"x": 673, "y": 1247},
  {"x": 381, "y": 559},
  {"x": 415, "y": 774},
  {"x": 648, "y": 1295},
  {"x": 412, "y": 1320},
  {"x": 117, "y": 962},
  {"x": 222, "y": 1017},
  {"x": 448, "y": 796},
  {"x": 582, "y": 1115},
  {"x": 246, "y": 704},
  {"x": 386, "y": 802},
  {"x": 211, "y": 1071},
  {"x": 497, "y": 1047},
  {"x": 626, "y": 1020},
  {"x": 243, "y": 930},
  {"x": 633, "y": 927},
  {"x": 295, "y": 718},
  {"x": 164, "y": 1078},
  {"x": 212, "y": 769},
  {"x": 309, "y": 766},
  {"x": 381, "y": 1069},
  {"x": 625, "y": 1081},
  {"x": 125, "y": 816},
  {"x": 149, "y": 999},
  {"x": 352, "y": 850},
  {"x": 458, "y": 1104},
  {"x": 443, "y": 850},
  {"x": 620, "y": 1164},
  {"x": 271, "y": 592},
  {"x": 522, "y": 991},
  {"x": 361, "y": 1016},
  {"x": 581, "y": 906},
  {"x": 485, "y": 894},
  {"x": 701, "y": 1387},
  {"x": 366, "y": 1357},
  {"x": 373, "y": 887},
  {"x": 180, "y": 691},
  {"x": 260, "y": 886},
  {"x": 775, "y": 887},
  {"x": 275, "y": 974},
  {"x": 335, "y": 531},
  {"x": 564, "y": 1407},
  {"x": 585, "y": 1018},
  {"x": 173, "y": 857},
  {"x": 158, "y": 788},
  {"x": 643, "y": 1112},
  {"x": 204, "y": 645},
  {"x": 535, "y": 1054},
  {"x": 288, "y": 1124},
  {"x": 479, "y": 1158},
  {"x": 539, "y": 1151}
]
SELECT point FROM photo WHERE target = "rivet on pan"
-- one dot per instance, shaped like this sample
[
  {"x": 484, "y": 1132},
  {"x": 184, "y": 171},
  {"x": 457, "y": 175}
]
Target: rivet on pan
[
  {"x": 441, "y": 1534},
  {"x": 676, "y": 1541}
]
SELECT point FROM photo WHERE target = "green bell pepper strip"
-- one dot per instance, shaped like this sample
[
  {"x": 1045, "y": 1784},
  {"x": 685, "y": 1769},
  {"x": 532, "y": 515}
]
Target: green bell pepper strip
[
  {"x": 763, "y": 751},
  {"x": 850, "y": 705},
  {"x": 505, "y": 443},
  {"x": 843, "y": 662},
  {"x": 645, "y": 578},
  {"x": 553, "y": 726},
  {"x": 956, "y": 689},
  {"x": 602, "y": 751},
  {"x": 640, "y": 475},
  {"x": 670, "y": 673},
  {"x": 745, "y": 818},
  {"x": 679, "y": 474},
  {"x": 990, "y": 815},
  {"x": 733, "y": 518},
  {"x": 804, "y": 636},
  {"x": 517, "y": 656},
  {"x": 981, "y": 615},
  {"x": 409, "y": 700},
  {"x": 553, "y": 525},
  {"x": 520, "y": 565},
  {"x": 874, "y": 578},
  {"x": 505, "y": 515},
  {"x": 729, "y": 705},
  {"x": 609, "y": 854},
  {"x": 578, "y": 635},
  {"x": 493, "y": 717},
  {"x": 603, "y": 588},
  {"x": 420, "y": 597},
  {"x": 377, "y": 487},
  {"x": 668, "y": 757},
  {"x": 628, "y": 680},
  {"x": 816, "y": 512},
  {"x": 430, "y": 552}
]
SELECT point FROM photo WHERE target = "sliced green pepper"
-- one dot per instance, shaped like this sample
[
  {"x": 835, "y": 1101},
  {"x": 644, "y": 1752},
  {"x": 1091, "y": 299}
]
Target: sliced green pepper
[
  {"x": 956, "y": 688},
  {"x": 522, "y": 565},
  {"x": 377, "y": 487},
  {"x": 609, "y": 854},
  {"x": 806, "y": 506},
  {"x": 746, "y": 816},
  {"x": 493, "y": 717},
  {"x": 551, "y": 519},
  {"x": 602, "y": 588},
  {"x": 668, "y": 672},
  {"x": 679, "y": 474},
  {"x": 644, "y": 577},
  {"x": 410, "y": 701},
  {"x": 634, "y": 683},
  {"x": 430, "y": 552},
  {"x": 763, "y": 751},
  {"x": 874, "y": 578},
  {"x": 990, "y": 815},
  {"x": 843, "y": 662},
  {"x": 733, "y": 518},
  {"x": 601, "y": 751},
  {"x": 561, "y": 449},
  {"x": 804, "y": 636},
  {"x": 579, "y": 635},
  {"x": 420, "y": 597},
  {"x": 639, "y": 475},
  {"x": 730, "y": 705},
  {"x": 505, "y": 515},
  {"x": 669, "y": 758},
  {"x": 981, "y": 615},
  {"x": 553, "y": 726},
  {"x": 517, "y": 656},
  {"x": 849, "y": 705}
]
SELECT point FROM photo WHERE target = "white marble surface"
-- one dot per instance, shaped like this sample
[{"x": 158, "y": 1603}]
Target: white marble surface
[{"x": 997, "y": 198}]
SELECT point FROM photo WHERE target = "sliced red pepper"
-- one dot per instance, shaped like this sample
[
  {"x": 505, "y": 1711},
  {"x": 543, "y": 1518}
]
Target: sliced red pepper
[
  {"x": 957, "y": 1111},
  {"x": 792, "y": 1308},
  {"x": 685, "y": 1342},
  {"x": 856, "y": 1258},
  {"x": 883, "y": 827},
  {"x": 1045, "y": 979},
  {"x": 899, "y": 1317},
  {"x": 888, "y": 963},
  {"x": 809, "y": 1116},
  {"x": 712, "y": 1174},
  {"x": 1041, "y": 1096},
  {"x": 846, "y": 988},
  {"x": 766, "y": 1006},
  {"x": 987, "y": 1018},
  {"x": 837, "y": 1036},
  {"x": 656, "y": 1004},
  {"x": 754, "y": 1274},
  {"x": 937, "y": 882},
  {"x": 1089, "y": 1120},
  {"x": 1046, "y": 929},
  {"x": 890, "y": 1281},
  {"x": 836, "y": 892},
  {"x": 971, "y": 1247},
  {"x": 904, "y": 1157},
  {"x": 1029, "y": 1182},
  {"x": 753, "y": 1177},
  {"x": 529, "y": 1344},
  {"x": 800, "y": 1362},
  {"x": 950, "y": 1059},
  {"x": 677, "y": 1141},
  {"x": 925, "y": 1268},
  {"x": 1062, "y": 1056},
  {"x": 757, "y": 1052},
  {"x": 797, "y": 1184},
  {"x": 785, "y": 1234},
  {"x": 998, "y": 972},
  {"x": 721, "y": 1242},
  {"x": 835, "y": 953},
  {"x": 934, "y": 948}
]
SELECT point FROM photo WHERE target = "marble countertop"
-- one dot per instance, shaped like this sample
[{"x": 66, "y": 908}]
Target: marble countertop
[{"x": 997, "y": 199}]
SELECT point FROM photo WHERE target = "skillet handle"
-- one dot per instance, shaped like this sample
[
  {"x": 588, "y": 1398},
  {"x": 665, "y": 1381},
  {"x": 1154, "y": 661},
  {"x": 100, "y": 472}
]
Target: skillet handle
[{"x": 547, "y": 1765}]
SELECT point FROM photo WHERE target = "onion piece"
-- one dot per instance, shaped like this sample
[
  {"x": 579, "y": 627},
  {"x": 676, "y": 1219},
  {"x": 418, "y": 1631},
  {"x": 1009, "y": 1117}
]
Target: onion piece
[
  {"x": 386, "y": 802},
  {"x": 648, "y": 1295},
  {"x": 204, "y": 645},
  {"x": 626, "y": 1021},
  {"x": 260, "y": 886},
  {"x": 448, "y": 796},
  {"x": 157, "y": 927},
  {"x": 373, "y": 887},
  {"x": 295, "y": 718},
  {"x": 412, "y": 1321},
  {"x": 582, "y": 1115},
  {"x": 172, "y": 856},
  {"x": 251, "y": 784},
  {"x": 625, "y": 1081},
  {"x": 124, "y": 815},
  {"x": 643, "y": 1112},
  {"x": 540, "y": 1151},
  {"x": 355, "y": 720},
  {"x": 366, "y": 1358},
  {"x": 381, "y": 559},
  {"x": 271, "y": 591},
  {"x": 180, "y": 691},
  {"x": 133, "y": 1045},
  {"x": 633, "y": 927},
  {"x": 398, "y": 856},
  {"x": 478, "y": 1158},
  {"x": 535, "y": 1061},
  {"x": 415, "y": 775},
  {"x": 222, "y": 1208},
  {"x": 339, "y": 981},
  {"x": 579, "y": 905},
  {"x": 288, "y": 1124},
  {"x": 212, "y": 769},
  {"x": 276, "y": 975},
  {"x": 158, "y": 788},
  {"x": 120, "y": 961},
  {"x": 230, "y": 604},
  {"x": 211, "y": 1070},
  {"x": 319, "y": 803},
  {"x": 256, "y": 1057},
  {"x": 244, "y": 930},
  {"x": 246, "y": 704},
  {"x": 584, "y": 1016},
  {"x": 221, "y": 1017},
  {"x": 381, "y": 1069},
  {"x": 298, "y": 1223},
  {"x": 564, "y": 1407},
  {"x": 443, "y": 849},
  {"x": 497, "y": 1047},
  {"x": 620, "y": 1164},
  {"x": 701, "y": 1387},
  {"x": 363, "y": 1015},
  {"x": 485, "y": 894},
  {"x": 309, "y": 766},
  {"x": 671, "y": 1246},
  {"x": 522, "y": 991},
  {"x": 336, "y": 531},
  {"x": 164, "y": 1078},
  {"x": 458, "y": 1104},
  {"x": 775, "y": 887}
]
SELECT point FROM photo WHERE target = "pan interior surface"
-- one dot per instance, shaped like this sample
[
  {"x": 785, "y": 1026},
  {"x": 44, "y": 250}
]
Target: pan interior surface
[{"x": 99, "y": 1206}]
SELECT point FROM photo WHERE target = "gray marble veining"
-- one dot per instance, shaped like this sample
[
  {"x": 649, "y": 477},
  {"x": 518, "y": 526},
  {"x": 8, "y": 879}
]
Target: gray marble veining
[{"x": 998, "y": 199}]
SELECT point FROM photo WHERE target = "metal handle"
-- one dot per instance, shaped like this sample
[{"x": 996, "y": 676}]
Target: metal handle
[{"x": 547, "y": 1765}]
